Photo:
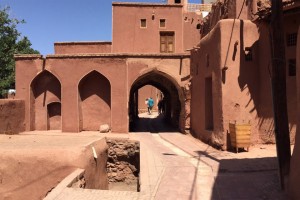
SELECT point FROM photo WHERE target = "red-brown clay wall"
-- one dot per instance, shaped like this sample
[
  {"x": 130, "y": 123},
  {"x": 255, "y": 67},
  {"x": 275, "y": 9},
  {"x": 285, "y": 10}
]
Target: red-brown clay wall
[
  {"x": 243, "y": 89},
  {"x": 205, "y": 62},
  {"x": 72, "y": 70},
  {"x": 57, "y": 95},
  {"x": 239, "y": 82},
  {"x": 128, "y": 36},
  {"x": 220, "y": 71},
  {"x": 291, "y": 24},
  {"x": 69, "y": 71},
  {"x": 294, "y": 179},
  {"x": 12, "y": 116},
  {"x": 265, "y": 110},
  {"x": 27, "y": 68},
  {"x": 191, "y": 34},
  {"x": 82, "y": 47},
  {"x": 241, "y": 9}
]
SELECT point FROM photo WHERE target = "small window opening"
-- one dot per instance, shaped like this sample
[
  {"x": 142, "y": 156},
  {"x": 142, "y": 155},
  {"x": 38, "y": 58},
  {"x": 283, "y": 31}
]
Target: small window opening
[
  {"x": 291, "y": 39},
  {"x": 177, "y": 1},
  {"x": 198, "y": 26},
  {"x": 292, "y": 67},
  {"x": 143, "y": 23},
  {"x": 162, "y": 23},
  {"x": 248, "y": 54}
]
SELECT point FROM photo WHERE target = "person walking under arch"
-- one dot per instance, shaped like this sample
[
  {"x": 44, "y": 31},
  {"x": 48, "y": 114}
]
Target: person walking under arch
[
  {"x": 161, "y": 106},
  {"x": 150, "y": 105}
]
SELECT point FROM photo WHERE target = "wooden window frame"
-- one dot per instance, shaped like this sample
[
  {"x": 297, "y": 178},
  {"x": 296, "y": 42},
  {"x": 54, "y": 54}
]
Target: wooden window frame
[{"x": 167, "y": 38}]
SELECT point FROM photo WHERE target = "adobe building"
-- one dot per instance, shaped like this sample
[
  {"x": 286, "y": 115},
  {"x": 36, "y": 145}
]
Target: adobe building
[
  {"x": 230, "y": 72},
  {"x": 295, "y": 161},
  {"x": 87, "y": 84}
]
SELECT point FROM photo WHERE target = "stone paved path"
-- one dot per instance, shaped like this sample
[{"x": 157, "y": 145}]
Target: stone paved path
[{"x": 246, "y": 175}]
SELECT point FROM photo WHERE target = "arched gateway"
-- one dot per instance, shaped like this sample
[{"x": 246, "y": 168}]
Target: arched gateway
[
  {"x": 99, "y": 80},
  {"x": 174, "y": 100}
]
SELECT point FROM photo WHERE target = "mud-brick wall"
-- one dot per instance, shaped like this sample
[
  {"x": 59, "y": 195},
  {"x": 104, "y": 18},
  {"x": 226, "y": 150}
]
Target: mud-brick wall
[{"x": 12, "y": 116}]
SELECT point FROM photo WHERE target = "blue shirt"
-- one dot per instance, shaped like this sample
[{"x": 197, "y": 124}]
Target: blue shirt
[{"x": 150, "y": 102}]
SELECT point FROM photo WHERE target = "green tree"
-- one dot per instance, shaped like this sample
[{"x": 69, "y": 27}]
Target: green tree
[{"x": 11, "y": 43}]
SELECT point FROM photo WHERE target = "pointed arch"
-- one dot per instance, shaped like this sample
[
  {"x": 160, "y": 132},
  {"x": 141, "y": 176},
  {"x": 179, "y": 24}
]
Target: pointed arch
[
  {"x": 94, "y": 98},
  {"x": 169, "y": 87},
  {"x": 54, "y": 116},
  {"x": 45, "y": 88}
]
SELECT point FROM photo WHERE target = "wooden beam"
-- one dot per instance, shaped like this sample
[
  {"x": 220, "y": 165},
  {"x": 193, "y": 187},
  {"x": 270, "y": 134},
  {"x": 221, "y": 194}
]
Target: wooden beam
[{"x": 279, "y": 92}]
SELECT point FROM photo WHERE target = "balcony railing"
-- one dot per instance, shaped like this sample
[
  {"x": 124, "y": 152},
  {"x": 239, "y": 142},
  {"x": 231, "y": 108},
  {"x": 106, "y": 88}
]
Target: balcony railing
[{"x": 193, "y": 7}]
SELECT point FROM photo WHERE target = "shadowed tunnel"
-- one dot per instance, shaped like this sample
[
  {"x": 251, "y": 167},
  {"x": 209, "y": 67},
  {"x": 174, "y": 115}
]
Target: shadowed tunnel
[{"x": 169, "y": 121}]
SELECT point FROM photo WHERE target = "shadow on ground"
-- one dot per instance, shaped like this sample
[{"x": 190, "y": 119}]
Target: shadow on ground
[
  {"x": 152, "y": 123},
  {"x": 243, "y": 179}
]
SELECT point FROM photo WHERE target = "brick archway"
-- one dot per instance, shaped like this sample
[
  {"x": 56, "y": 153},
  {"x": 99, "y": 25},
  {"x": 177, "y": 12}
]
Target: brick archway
[
  {"x": 45, "y": 89},
  {"x": 94, "y": 101},
  {"x": 174, "y": 112}
]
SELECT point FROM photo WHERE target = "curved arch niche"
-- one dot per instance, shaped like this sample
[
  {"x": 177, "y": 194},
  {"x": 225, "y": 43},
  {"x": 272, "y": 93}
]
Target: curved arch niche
[
  {"x": 45, "y": 89},
  {"x": 172, "y": 95},
  {"x": 94, "y": 101},
  {"x": 54, "y": 116}
]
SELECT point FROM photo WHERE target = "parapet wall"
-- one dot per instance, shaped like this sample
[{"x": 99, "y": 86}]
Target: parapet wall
[
  {"x": 12, "y": 116},
  {"x": 82, "y": 47}
]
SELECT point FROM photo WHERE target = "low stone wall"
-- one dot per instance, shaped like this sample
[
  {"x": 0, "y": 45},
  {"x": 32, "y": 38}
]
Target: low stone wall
[
  {"x": 123, "y": 163},
  {"x": 12, "y": 116}
]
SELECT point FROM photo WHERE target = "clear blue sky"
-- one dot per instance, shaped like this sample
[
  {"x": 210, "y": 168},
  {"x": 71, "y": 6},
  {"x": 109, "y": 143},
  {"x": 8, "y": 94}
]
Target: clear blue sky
[{"x": 49, "y": 21}]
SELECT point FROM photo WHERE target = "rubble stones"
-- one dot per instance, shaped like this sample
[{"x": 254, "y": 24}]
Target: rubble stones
[
  {"x": 79, "y": 183},
  {"x": 123, "y": 160}
]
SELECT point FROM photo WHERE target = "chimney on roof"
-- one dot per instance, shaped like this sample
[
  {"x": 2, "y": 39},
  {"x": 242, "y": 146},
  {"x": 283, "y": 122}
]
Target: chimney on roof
[{"x": 177, "y": 2}]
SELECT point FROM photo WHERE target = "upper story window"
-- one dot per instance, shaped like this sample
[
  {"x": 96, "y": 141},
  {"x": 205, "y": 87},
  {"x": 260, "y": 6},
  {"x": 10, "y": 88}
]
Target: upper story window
[
  {"x": 177, "y": 1},
  {"x": 291, "y": 39},
  {"x": 166, "y": 42},
  {"x": 162, "y": 23},
  {"x": 143, "y": 23}
]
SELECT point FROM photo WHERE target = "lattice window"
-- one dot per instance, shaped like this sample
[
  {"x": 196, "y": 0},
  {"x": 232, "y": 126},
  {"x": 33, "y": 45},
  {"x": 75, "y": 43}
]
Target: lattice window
[{"x": 291, "y": 39}]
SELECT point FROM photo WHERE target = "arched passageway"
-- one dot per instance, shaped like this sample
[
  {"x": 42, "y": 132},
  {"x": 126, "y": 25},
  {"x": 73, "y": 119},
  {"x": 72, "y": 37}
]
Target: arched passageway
[
  {"x": 45, "y": 102},
  {"x": 94, "y": 101},
  {"x": 144, "y": 93},
  {"x": 170, "y": 120}
]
